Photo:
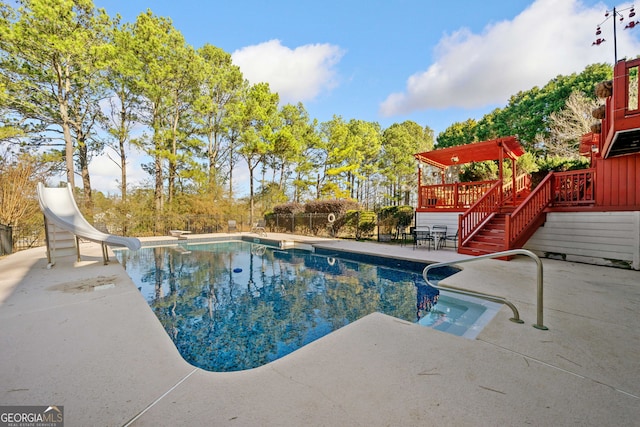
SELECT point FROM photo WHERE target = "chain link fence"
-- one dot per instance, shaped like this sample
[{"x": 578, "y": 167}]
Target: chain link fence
[
  {"x": 160, "y": 225},
  {"x": 14, "y": 239},
  {"x": 352, "y": 225}
]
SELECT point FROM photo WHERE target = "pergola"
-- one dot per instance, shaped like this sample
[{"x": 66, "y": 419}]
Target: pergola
[{"x": 494, "y": 149}]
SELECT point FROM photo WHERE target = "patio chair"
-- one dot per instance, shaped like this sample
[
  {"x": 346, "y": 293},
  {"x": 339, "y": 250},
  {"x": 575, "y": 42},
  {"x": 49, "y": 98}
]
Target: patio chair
[
  {"x": 232, "y": 226},
  {"x": 401, "y": 233},
  {"x": 453, "y": 238},
  {"x": 422, "y": 235},
  {"x": 439, "y": 233},
  {"x": 259, "y": 227},
  {"x": 410, "y": 235}
]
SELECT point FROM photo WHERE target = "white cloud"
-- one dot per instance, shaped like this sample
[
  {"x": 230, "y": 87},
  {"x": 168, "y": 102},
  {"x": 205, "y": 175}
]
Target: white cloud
[
  {"x": 299, "y": 74},
  {"x": 549, "y": 38}
]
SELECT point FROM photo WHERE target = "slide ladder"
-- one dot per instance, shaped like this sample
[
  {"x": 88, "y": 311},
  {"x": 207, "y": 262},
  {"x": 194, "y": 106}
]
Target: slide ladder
[{"x": 65, "y": 226}]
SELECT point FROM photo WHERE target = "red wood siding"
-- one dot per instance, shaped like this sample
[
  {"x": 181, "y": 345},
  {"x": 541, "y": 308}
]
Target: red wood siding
[{"x": 618, "y": 182}]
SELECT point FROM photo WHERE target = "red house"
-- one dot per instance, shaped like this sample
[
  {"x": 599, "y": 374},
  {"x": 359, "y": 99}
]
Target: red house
[{"x": 590, "y": 215}]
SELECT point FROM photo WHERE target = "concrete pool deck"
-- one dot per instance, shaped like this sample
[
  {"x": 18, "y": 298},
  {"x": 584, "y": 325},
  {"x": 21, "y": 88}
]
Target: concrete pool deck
[{"x": 81, "y": 335}]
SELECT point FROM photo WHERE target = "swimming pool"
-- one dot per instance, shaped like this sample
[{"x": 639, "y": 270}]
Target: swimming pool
[{"x": 235, "y": 305}]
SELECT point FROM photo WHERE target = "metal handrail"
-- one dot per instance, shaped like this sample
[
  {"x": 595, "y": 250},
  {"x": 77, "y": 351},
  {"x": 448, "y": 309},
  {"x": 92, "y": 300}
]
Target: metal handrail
[{"x": 516, "y": 316}]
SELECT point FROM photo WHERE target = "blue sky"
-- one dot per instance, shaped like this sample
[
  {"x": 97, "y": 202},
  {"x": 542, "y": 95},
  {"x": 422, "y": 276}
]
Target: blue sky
[{"x": 391, "y": 61}]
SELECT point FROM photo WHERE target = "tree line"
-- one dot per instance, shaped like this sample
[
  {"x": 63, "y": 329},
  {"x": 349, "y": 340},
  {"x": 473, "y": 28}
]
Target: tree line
[
  {"x": 76, "y": 78},
  {"x": 76, "y": 82}
]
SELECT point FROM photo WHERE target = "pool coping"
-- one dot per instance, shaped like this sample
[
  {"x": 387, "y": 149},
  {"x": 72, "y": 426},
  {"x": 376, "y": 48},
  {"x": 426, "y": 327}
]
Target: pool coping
[{"x": 103, "y": 355}]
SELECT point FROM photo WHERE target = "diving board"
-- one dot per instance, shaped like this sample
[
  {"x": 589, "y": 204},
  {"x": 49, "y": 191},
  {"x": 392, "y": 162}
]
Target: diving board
[{"x": 65, "y": 225}]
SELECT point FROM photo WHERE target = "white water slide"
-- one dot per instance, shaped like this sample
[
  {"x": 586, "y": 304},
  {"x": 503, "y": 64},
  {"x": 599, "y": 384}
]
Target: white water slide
[{"x": 65, "y": 225}]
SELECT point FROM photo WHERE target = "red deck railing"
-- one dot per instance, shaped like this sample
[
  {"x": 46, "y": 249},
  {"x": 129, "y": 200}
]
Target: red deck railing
[
  {"x": 523, "y": 182},
  {"x": 462, "y": 195},
  {"x": 574, "y": 188},
  {"x": 529, "y": 212},
  {"x": 458, "y": 196},
  {"x": 557, "y": 189},
  {"x": 473, "y": 219}
]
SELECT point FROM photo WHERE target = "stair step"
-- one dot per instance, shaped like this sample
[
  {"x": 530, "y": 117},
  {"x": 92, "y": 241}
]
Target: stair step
[
  {"x": 491, "y": 230},
  {"x": 483, "y": 242},
  {"x": 62, "y": 240},
  {"x": 493, "y": 247},
  {"x": 62, "y": 252},
  {"x": 475, "y": 251},
  {"x": 491, "y": 235}
]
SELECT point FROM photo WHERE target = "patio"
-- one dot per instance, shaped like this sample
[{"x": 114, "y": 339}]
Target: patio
[{"x": 82, "y": 336}]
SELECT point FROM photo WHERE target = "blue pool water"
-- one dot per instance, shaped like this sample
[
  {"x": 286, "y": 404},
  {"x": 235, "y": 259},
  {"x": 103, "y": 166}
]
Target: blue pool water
[{"x": 237, "y": 305}]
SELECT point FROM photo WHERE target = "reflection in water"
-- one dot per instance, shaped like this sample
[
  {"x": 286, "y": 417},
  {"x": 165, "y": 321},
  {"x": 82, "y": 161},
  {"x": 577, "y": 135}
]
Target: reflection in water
[
  {"x": 427, "y": 297},
  {"x": 236, "y": 305}
]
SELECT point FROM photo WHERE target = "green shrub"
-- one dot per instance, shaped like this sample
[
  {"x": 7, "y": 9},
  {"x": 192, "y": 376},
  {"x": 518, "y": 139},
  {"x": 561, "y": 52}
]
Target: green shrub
[
  {"x": 362, "y": 223},
  {"x": 288, "y": 208},
  {"x": 562, "y": 164},
  {"x": 392, "y": 217},
  {"x": 336, "y": 206},
  {"x": 479, "y": 171},
  {"x": 557, "y": 164}
]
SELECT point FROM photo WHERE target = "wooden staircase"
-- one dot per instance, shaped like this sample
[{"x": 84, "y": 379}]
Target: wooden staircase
[
  {"x": 488, "y": 239},
  {"x": 497, "y": 223}
]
